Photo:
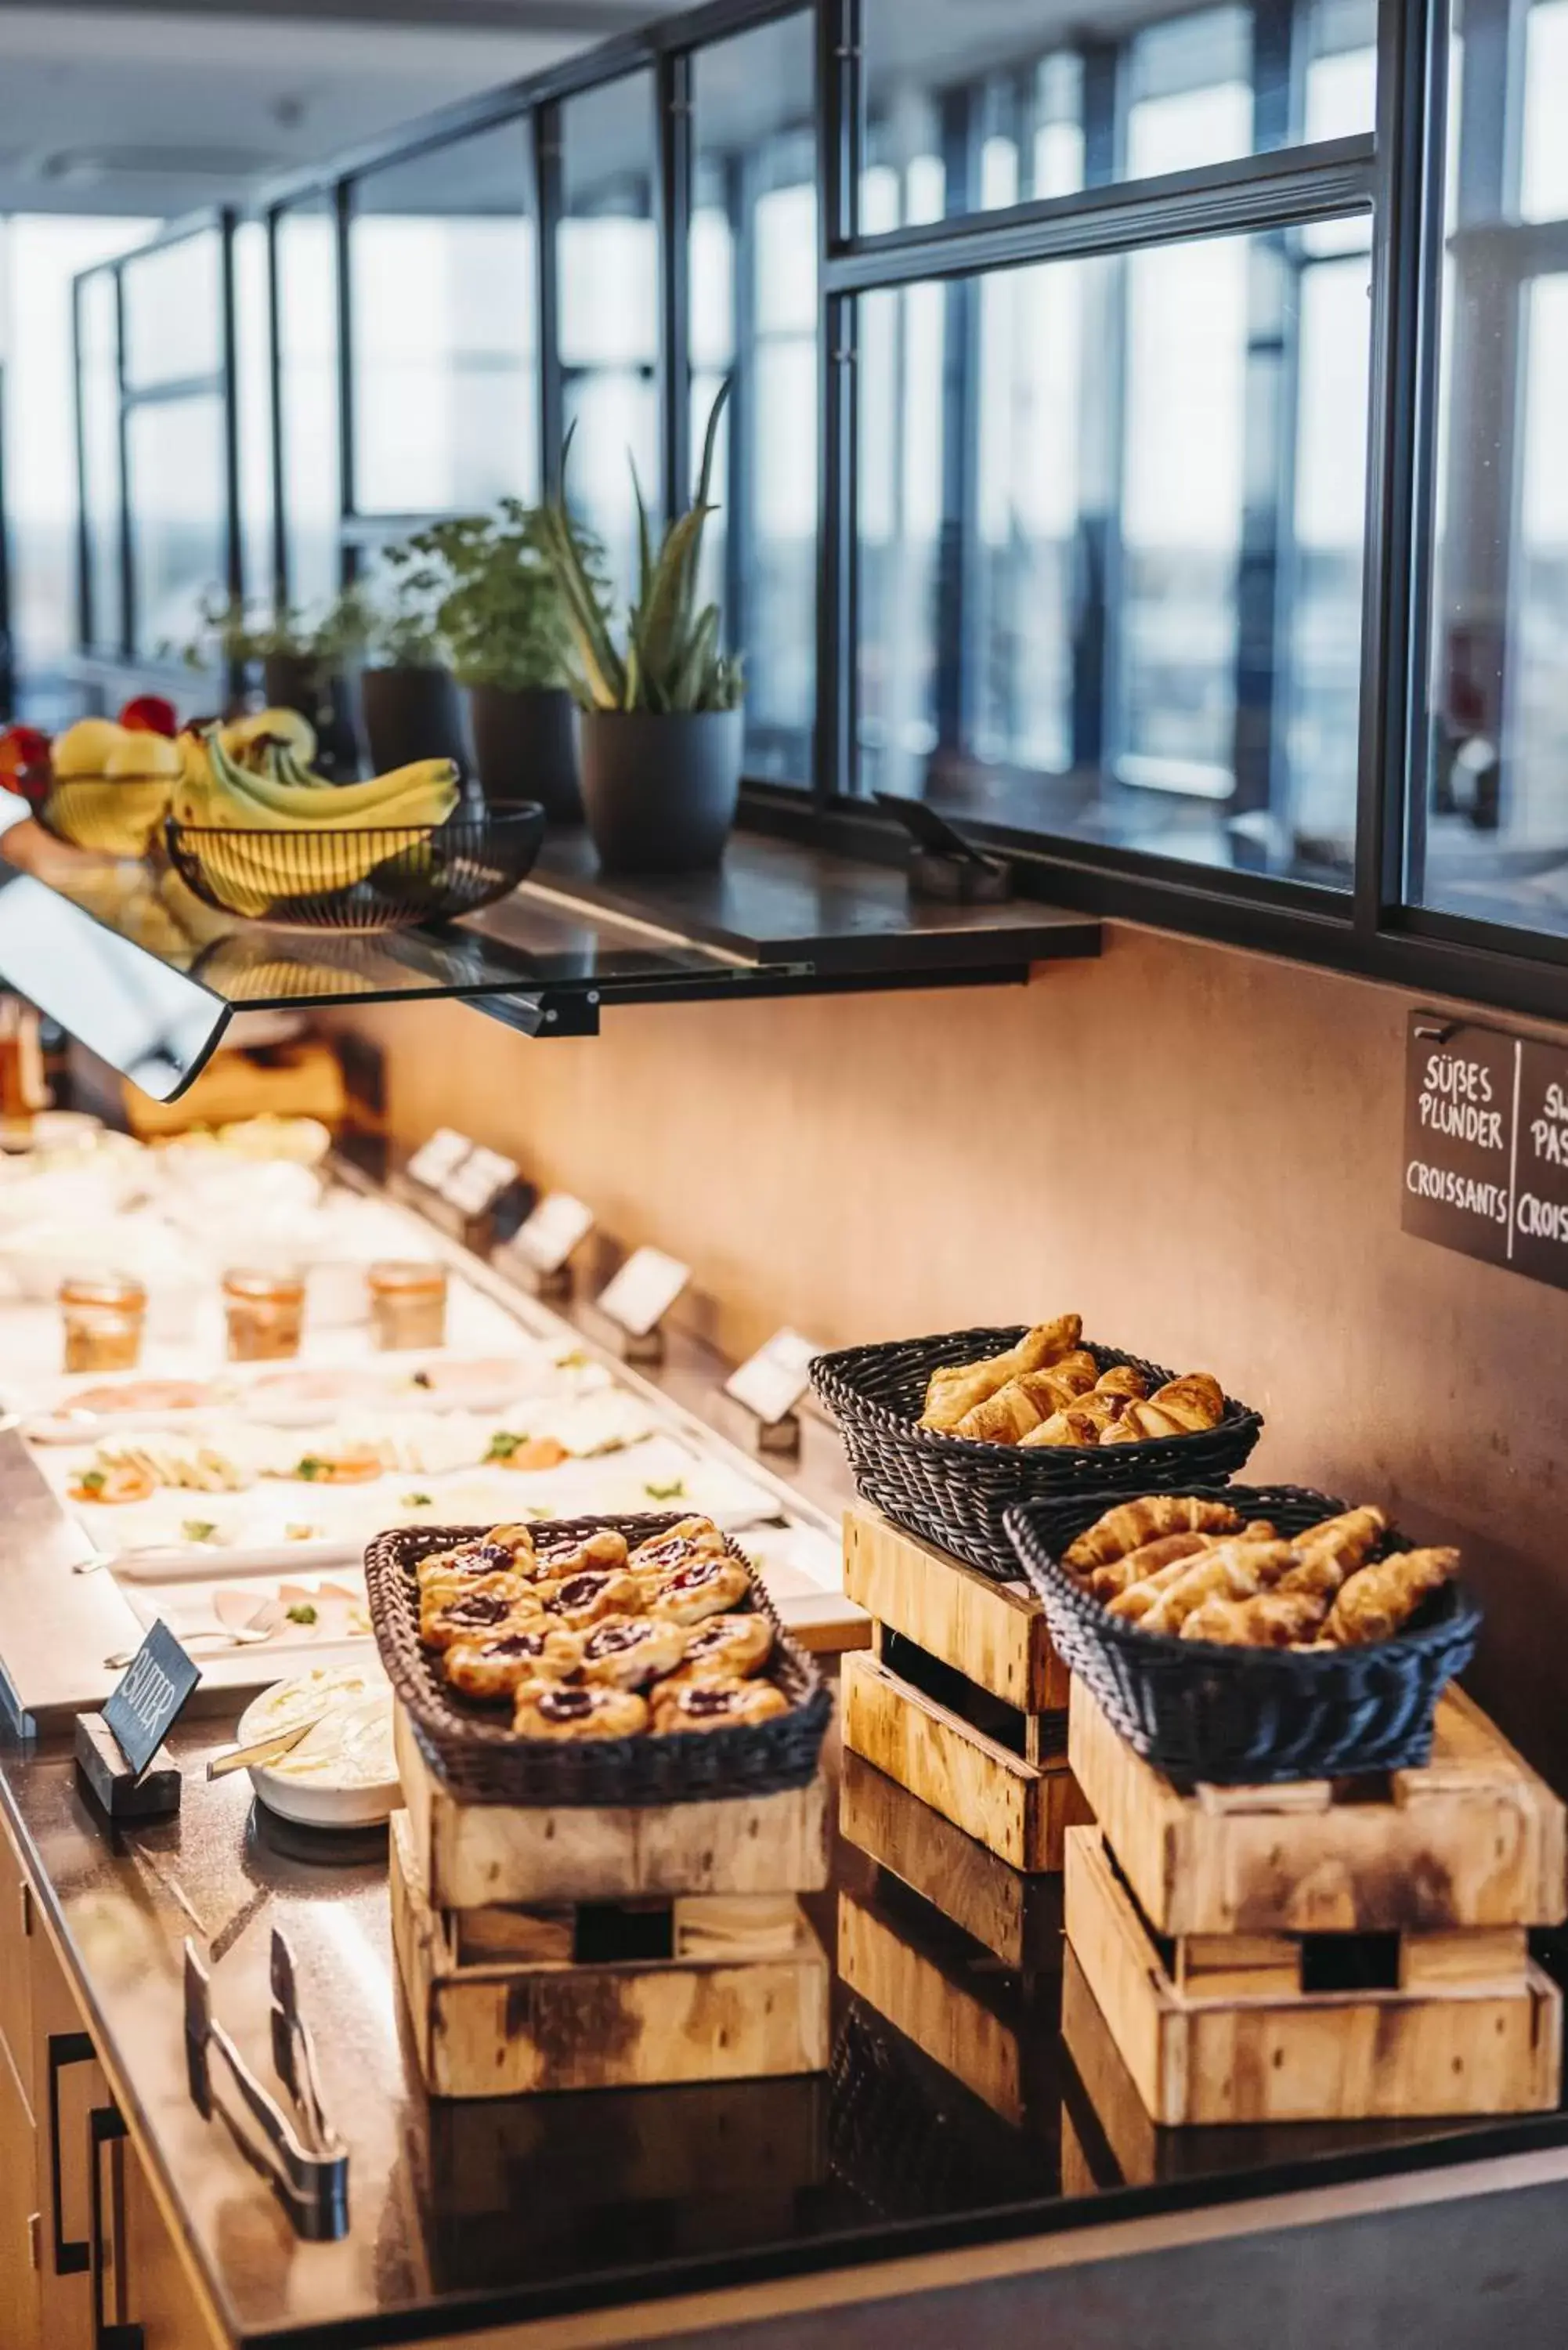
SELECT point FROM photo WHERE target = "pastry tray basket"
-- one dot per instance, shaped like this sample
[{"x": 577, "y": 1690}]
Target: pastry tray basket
[
  {"x": 955, "y": 1490},
  {"x": 481, "y": 1760},
  {"x": 1244, "y": 1717}
]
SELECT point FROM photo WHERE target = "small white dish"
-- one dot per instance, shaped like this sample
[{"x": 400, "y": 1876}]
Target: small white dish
[{"x": 343, "y": 1773}]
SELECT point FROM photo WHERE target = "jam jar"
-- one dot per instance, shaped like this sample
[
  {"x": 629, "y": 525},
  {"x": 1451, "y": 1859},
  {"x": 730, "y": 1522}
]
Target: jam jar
[
  {"x": 266, "y": 1314},
  {"x": 407, "y": 1303},
  {"x": 104, "y": 1317}
]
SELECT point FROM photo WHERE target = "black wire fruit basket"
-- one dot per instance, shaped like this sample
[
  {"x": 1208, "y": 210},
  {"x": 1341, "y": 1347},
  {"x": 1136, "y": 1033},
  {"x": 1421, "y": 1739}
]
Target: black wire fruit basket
[{"x": 360, "y": 876}]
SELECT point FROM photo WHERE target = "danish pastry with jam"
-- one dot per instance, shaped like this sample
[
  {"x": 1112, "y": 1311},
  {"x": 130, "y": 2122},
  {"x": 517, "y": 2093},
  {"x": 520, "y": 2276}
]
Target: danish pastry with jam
[
  {"x": 688, "y": 1539},
  {"x": 453, "y": 1570},
  {"x": 598, "y": 1554},
  {"x": 705, "y": 1587},
  {"x": 715, "y": 1705},
  {"x": 481, "y": 1607},
  {"x": 727, "y": 1648},
  {"x": 496, "y": 1666},
  {"x": 581, "y": 1599},
  {"x": 630, "y": 1651},
  {"x": 578, "y": 1709}
]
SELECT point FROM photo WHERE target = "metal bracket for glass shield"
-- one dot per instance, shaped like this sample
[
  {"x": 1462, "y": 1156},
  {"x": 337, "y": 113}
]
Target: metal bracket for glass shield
[
  {"x": 304, "y": 2158},
  {"x": 943, "y": 864},
  {"x": 534, "y": 1015},
  {"x": 153, "y": 1024}
]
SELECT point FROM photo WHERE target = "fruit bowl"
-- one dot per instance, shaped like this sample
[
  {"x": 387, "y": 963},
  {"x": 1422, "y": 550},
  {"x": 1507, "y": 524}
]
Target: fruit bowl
[{"x": 360, "y": 877}]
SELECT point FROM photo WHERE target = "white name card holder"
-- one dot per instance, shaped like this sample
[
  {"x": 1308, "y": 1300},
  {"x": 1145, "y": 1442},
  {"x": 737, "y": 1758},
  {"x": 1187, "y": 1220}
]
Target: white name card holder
[
  {"x": 636, "y": 1300},
  {"x": 539, "y": 1254},
  {"x": 761, "y": 1397}
]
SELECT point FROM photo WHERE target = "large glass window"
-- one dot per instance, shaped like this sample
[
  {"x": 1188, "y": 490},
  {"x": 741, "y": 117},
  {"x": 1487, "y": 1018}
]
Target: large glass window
[
  {"x": 1489, "y": 819},
  {"x": 607, "y": 310},
  {"x": 753, "y": 294},
  {"x": 306, "y": 240},
  {"x": 174, "y": 312},
  {"x": 1110, "y": 528},
  {"x": 176, "y": 490},
  {"x": 441, "y": 258},
  {"x": 975, "y": 104},
  {"x": 252, "y": 401},
  {"x": 97, "y": 391}
]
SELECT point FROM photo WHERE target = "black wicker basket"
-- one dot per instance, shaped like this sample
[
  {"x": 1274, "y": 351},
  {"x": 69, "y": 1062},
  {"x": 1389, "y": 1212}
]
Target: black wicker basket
[
  {"x": 483, "y": 1760},
  {"x": 1241, "y": 1717},
  {"x": 361, "y": 878},
  {"x": 954, "y": 1491}
]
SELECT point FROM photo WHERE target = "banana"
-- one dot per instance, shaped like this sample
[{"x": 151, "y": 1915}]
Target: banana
[
  {"x": 248, "y": 738},
  {"x": 292, "y": 796},
  {"x": 84, "y": 749}
]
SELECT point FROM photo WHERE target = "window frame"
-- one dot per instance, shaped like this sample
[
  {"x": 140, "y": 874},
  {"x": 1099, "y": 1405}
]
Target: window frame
[{"x": 1393, "y": 173}]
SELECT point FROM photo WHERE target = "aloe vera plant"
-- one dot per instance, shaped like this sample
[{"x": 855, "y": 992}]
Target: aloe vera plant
[{"x": 672, "y": 660}]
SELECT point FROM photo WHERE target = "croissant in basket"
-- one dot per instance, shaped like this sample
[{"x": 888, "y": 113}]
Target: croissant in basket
[{"x": 1176, "y": 1565}]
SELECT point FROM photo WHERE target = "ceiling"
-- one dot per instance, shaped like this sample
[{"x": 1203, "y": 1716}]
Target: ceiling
[{"x": 152, "y": 111}]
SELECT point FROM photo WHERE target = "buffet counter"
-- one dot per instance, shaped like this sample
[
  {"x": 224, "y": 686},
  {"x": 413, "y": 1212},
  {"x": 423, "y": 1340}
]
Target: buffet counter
[{"x": 956, "y": 2141}]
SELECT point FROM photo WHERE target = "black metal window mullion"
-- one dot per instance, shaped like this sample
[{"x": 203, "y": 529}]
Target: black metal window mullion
[
  {"x": 343, "y": 220},
  {"x": 547, "y": 208},
  {"x": 122, "y": 458},
  {"x": 275, "y": 419},
  {"x": 840, "y": 126},
  {"x": 1406, "y": 273},
  {"x": 672, "y": 213},
  {"x": 1098, "y": 550},
  {"x": 957, "y": 556}
]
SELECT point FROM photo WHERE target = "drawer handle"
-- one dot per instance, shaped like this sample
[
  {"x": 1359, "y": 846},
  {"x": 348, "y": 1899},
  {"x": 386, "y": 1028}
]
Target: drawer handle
[
  {"x": 105, "y": 2128},
  {"x": 64, "y": 2048}
]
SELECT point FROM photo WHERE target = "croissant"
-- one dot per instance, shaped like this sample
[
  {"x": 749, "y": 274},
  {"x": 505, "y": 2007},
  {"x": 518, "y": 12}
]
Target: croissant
[
  {"x": 1131, "y": 1523},
  {"x": 1005, "y": 1417},
  {"x": 1140, "y": 1421},
  {"x": 1349, "y": 1540},
  {"x": 1082, "y": 1422},
  {"x": 1079, "y": 1367},
  {"x": 1122, "y": 1379},
  {"x": 1376, "y": 1601},
  {"x": 1133, "y": 1603},
  {"x": 1120, "y": 1575},
  {"x": 1269, "y": 1619},
  {"x": 1181, "y": 1407},
  {"x": 1232, "y": 1570},
  {"x": 956, "y": 1388}
]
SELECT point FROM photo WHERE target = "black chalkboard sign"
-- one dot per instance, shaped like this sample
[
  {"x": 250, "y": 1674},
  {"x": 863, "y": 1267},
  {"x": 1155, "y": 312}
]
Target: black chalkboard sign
[
  {"x": 1486, "y": 1145},
  {"x": 145, "y": 1707}
]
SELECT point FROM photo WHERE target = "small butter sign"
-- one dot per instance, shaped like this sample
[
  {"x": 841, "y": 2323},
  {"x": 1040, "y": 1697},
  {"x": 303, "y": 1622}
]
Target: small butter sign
[
  {"x": 1486, "y": 1145},
  {"x": 144, "y": 1708}
]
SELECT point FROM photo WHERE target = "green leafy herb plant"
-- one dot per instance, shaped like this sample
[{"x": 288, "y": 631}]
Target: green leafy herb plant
[{"x": 494, "y": 598}]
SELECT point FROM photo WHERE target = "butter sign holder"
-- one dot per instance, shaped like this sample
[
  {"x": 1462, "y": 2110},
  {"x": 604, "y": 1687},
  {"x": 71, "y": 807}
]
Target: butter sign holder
[{"x": 608, "y": 1913}]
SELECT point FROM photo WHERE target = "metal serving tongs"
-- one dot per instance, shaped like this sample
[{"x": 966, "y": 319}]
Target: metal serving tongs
[{"x": 306, "y": 2159}]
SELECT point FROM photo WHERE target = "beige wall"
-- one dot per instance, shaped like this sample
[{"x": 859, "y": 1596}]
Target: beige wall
[{"x": 1199, "y": 1150}]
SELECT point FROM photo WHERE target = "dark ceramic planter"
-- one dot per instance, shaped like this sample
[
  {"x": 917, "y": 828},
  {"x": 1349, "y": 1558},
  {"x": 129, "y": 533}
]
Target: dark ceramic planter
[
  {"x": 525, "y": 748},
  {"x": 410, "y": 714},
  {"x": 294, "y": 682},
  {"x": 659, "y": 792}
]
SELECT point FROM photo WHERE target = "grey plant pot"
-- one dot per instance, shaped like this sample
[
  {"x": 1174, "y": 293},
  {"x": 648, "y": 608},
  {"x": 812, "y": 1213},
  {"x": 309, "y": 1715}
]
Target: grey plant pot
[
  {"x": 410, "y": 714},
  {"x": 296, "y": 682},
  {"x": 660, "y": 791},
  {"x": 526, "y": 747}
]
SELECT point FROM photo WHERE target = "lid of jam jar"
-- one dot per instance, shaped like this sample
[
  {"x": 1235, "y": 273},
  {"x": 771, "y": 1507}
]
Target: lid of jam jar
[
  {"x": 248, "y": 1287},
  {"x": 407, "y": 1277},
  {"x": 117, "y": 1290}
]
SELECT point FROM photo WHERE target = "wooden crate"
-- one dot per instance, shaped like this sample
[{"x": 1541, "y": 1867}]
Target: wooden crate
[
  {"x": 1476, "y": 1839},
  {"x": 994, "y": 1633},
  {"x": 504, "y": 2004},
  {"x": 472, "y": 1856},
  {"x": 1225, "y": 2043},
  {"x": 1017, "y": 1917},
  {"x": 960, "y": 1701}
]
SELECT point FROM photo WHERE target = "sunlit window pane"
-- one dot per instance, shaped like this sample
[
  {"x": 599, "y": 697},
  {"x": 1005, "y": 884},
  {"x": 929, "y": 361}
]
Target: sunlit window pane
[
  {"x": 173, "y": 311},
  {"x": 307, "y": 396},
  {"x": 175, "y": 483}
]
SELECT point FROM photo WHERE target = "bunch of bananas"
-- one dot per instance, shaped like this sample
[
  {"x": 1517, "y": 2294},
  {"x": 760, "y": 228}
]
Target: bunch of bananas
[
  {"x": 266, "y": 802},
  {"x": 110, "y": 786}
]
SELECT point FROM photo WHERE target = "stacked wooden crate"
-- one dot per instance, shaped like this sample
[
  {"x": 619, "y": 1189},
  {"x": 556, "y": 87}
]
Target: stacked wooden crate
[
  {"x": 962, "y": 1700},
  {"x": 1319, "y": 1949},
  {"x": 583, "y": 1948}
]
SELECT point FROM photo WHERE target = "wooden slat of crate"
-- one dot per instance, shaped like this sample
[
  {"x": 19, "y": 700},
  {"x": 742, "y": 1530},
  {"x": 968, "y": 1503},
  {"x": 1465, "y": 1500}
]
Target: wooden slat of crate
[
  {"x": 1478, "y": 1840},
  {"x": 1003, "y": 2057},
  {"x": 503, "y": 2029},
  {"x": 995, "y": 1635},
  {"x": 1017, "y": 1809},
  {"x": 475, "y": 1855},
  {"x": 1361, "y": 2056},
  {"x": 1017, "y": 1917}
]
